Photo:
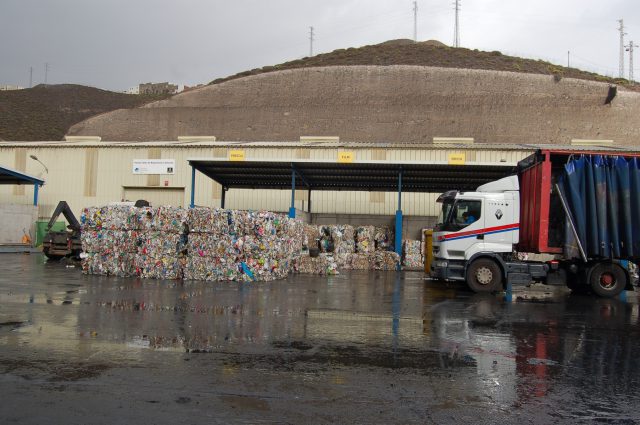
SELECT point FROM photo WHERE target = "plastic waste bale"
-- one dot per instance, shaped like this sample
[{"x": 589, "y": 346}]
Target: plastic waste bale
[
  {"x": 109, "y": 218},
  {"x": 213, "y": 268},
  {"x": 99, "y": 240},
  {"x": 311, "y": 236},
  {"x": 360, "y": 261},
  {"x": 163, "y": 267},
  {"x": 412, "y": 254},
  {"x": 109, "y": 263},
  {"x": 364, "y": 240},
  {"x": 343, "y": 236},
  {"x": 343, "y": 260},
  {"x": 383, "y": 238},
  {"x": 164, "y": 219},
  {"x": 323, "y": 265},
  {"x": 159, "y": 244},
  {"x": 386, "y": 260},
  {"x": 207, "y": 220},
  {"x": 215, "y": 245}
]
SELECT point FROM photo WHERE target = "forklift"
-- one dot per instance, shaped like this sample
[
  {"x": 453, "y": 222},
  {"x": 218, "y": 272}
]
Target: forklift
[{"x": 66, "y": 243}]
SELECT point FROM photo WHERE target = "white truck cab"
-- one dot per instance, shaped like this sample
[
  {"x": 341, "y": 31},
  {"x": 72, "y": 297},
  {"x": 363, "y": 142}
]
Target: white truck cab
[{"x": 473, "y": 226}]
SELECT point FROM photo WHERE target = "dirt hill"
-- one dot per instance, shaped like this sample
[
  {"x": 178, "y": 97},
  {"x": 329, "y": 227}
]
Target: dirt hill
[
  {"x": 428, "y": 53},
  {"x": 47, "y": 112}
]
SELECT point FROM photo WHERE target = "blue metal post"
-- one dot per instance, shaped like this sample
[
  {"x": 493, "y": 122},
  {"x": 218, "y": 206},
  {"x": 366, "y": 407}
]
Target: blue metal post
[
  {"x": 193, "y": 186},
  {"x": 399, "y": 216},
  {"x": 35, "y": 194},
  {"x": 292, "y": 209}
]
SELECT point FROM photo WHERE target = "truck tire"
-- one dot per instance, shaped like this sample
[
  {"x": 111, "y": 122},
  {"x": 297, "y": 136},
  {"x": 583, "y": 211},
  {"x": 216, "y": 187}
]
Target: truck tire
[
  {"x": 607, "y": 279},
  {"x": 484, "y": 275}
]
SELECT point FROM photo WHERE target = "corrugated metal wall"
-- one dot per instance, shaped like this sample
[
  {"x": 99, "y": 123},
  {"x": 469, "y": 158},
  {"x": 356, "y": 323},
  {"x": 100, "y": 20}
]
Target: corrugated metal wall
[{"x": 87, "y": 175}]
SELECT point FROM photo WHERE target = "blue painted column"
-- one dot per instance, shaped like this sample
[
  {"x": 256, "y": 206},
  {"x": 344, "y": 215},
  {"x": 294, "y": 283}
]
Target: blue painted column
[
  {"x": 35, "y": 194},
  {"x": 292, "y": 209},
  {"x": 399, "y": 216},
  {"x": 193, "y": 186}
]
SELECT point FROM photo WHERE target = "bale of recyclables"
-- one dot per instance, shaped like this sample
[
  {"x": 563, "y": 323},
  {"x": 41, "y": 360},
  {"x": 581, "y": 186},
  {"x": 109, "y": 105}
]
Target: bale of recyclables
[
  {"x": 196, "y": 243},
  {"x": 412, "y": 254}
]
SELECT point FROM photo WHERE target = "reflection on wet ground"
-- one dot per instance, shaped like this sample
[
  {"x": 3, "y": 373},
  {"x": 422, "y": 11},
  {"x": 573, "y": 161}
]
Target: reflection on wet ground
[{"x": 353, "y": 348}]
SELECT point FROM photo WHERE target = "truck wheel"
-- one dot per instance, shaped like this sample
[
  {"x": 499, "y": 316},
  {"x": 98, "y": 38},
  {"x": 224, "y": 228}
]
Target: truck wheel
[
  {"x": 484, "y": 275},
  {"x": 607, "y": 279}
]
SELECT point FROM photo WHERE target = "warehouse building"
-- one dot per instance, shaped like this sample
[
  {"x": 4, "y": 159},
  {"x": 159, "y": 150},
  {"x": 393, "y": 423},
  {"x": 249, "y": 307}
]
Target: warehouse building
[{"x": 89, "y": 172}]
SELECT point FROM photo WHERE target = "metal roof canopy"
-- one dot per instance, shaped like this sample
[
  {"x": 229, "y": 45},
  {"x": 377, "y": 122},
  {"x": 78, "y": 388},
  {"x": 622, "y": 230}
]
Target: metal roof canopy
[
  {"x": 371, "y": 176},
  {"x": 11, "y": 176}
]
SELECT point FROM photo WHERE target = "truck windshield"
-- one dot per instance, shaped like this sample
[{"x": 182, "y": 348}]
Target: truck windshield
[
  {"x": 444, "y": 214},
  {"x": 458, "y": 215}
]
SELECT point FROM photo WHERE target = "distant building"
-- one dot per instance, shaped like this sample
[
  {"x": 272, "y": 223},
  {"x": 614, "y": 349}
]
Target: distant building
[
  {"x": 133, "y": 90},
  {"x": 158, "y": 88},
  {"x": 7, "y": 87}
]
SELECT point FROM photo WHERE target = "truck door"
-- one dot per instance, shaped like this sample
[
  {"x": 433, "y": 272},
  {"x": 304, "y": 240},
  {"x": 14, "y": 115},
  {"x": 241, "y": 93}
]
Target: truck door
[{"x": 499, "y": 221}]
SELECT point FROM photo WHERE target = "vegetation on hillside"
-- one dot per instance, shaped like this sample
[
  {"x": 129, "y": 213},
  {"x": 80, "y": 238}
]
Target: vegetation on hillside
[
  {"x": 428, "y": 53},
  {"x": 46, "y": 112}
]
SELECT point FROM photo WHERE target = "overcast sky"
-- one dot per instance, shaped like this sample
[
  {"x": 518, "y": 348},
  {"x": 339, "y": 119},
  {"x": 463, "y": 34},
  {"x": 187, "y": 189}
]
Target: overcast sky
[{"x": 116, "y": 44}]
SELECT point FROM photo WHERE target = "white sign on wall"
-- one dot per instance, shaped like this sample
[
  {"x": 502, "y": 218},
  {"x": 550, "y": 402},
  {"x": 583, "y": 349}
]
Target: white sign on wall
[{"x": 154, "y": 166}]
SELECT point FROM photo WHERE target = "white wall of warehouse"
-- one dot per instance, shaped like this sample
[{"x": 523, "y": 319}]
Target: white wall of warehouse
[{"x": 96, "y": 174}]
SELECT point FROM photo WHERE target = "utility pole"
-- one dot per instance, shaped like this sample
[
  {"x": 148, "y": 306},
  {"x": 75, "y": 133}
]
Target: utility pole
[
  {"x": 310, "y": 41},
  {"x": 46, "y": 72},
  {"x": 456, "y": 28},
  {"x": 568, "y": 58},
  {"x": 415, "y": 21},
  {"x": 30, "y": 76},
  {"x": 630, "y": 50},
  {"x": 622, "y": 34}
]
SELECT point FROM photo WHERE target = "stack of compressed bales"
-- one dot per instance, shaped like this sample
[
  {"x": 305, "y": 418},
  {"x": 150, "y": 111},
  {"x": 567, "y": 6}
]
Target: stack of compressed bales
[
  {"x": 241, "y": 245},
  {"x": 108, "y": 239},
  {"x": 344, "y": 245},
  {"x": 412, "y": 254},
  {"x": 199, "y": 243},
  {"x": 160, "y": 242}
]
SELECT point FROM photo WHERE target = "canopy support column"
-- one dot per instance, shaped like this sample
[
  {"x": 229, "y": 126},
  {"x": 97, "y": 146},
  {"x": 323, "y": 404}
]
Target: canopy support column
[
  {"x": 193, "y": 187},
  {"x": 309, "y": 200},
  {"x": 223, "y": 197},
  {"x": 399, "y": 216},
  {"x": 292, "y": 209},
  {"x": 35, "y": 194}
]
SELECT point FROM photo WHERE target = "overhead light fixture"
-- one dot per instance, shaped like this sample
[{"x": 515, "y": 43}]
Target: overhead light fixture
[{"x": 35, "y": 158}]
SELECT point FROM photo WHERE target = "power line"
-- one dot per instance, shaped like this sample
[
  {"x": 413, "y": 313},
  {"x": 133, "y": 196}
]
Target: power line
[
  {"x": 415, "y": 21},
  {"x": 456, "y": 28},
  {"x": 310, "y": 41},
  {"x": 622, "y": 34},
  {"x": 629, "y": 49}
]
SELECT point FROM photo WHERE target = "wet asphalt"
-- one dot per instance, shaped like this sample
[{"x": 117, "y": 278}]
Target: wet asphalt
[{"x": 357, "y": 348}]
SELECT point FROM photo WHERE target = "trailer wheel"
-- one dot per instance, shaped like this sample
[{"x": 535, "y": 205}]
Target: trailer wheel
[
  {"x": 484, "y": 275},
  {"x": 607, "y": 279}
]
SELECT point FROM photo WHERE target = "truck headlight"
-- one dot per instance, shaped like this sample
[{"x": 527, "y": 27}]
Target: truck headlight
[{"x": 441, "y": 264}]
